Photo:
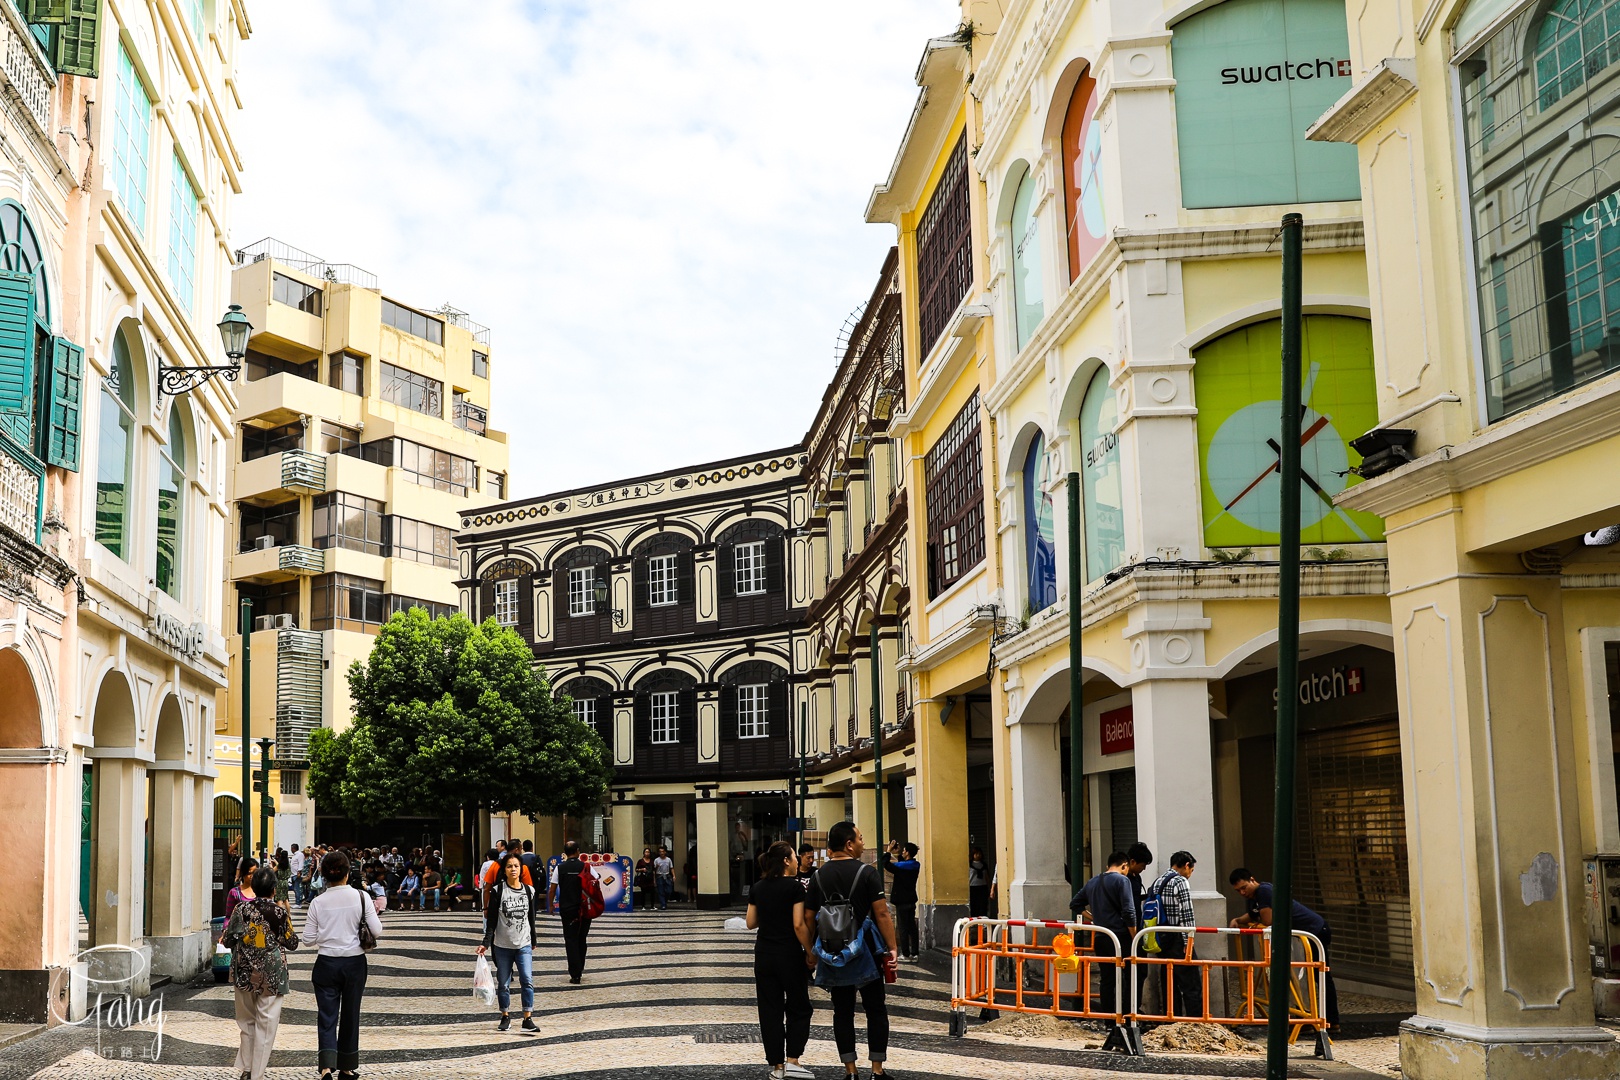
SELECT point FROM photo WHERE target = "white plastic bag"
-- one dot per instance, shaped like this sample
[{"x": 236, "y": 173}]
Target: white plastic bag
[
  {"x": 483, "y": 982},
  {"x": 736, "y": 922}
]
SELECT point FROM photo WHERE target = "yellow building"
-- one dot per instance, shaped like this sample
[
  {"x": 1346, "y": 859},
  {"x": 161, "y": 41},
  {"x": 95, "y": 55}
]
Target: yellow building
[
  {"x": 364, "y": 436},
  {"x": 1486, "y": 133}
]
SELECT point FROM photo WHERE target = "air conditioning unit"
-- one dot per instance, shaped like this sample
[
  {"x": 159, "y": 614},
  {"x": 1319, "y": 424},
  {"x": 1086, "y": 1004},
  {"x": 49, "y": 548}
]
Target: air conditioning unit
[
  {"x": 263, "y": 622},
  {"x": 263, "y": 543},
  {"x": 284, "y": 622}
]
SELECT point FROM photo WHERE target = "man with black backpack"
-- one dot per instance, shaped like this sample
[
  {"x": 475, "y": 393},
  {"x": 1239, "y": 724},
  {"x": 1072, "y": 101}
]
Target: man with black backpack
[
  {"x": 855, "y": 943},
  {"x": 567, "y": 894}
]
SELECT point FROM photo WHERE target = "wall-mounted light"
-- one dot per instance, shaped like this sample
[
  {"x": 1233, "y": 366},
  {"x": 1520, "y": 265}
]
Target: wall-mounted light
[
  {"x": 601, "y": 597},
  {"x": 234, "y": 329},
  {"x": 945, "y": 713}
]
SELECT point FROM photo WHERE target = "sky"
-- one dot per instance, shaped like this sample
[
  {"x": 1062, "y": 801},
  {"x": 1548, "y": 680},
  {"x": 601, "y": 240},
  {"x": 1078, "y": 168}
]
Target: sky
[{"x": 656, "y": 207}]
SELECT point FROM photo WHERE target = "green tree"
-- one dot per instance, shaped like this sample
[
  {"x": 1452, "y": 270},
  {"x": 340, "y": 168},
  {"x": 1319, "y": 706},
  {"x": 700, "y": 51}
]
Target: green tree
[{"x": 451, "y": 715}]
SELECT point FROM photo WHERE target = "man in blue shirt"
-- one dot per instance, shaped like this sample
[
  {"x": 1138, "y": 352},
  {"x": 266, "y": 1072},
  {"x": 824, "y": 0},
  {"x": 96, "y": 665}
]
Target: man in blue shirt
[
  {"x": 901, "y": 861},
  {"x": 1257, "y": 900},
  {"x": 1112, "y": 903}
]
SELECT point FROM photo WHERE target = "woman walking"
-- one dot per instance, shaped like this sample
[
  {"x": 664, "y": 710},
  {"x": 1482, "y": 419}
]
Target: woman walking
[
  {"x": 334, "y": 926},
  {"x": 510, "y": 929},
  {"x": 978, "y": 884},
  {"x": 782, "y": 961},
  {"x": 258, "y": 934},
  {"x": 644, "y": 879}
]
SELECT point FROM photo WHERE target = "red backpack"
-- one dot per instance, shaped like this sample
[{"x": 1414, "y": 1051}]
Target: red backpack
[{"x": 591, "y": 903}]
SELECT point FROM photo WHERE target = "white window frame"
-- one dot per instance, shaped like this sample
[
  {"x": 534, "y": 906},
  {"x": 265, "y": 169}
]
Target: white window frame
[
  {"x": 506, "y": 602},
  {"x": 663, "y": 580},
  {"x": 753, "y": 710},
  {"x": 581, "y": 591},
  {"x": 666, "y": 717},
  {"x": 748, "y": 563},
  {"x": 585, "y": 711}
]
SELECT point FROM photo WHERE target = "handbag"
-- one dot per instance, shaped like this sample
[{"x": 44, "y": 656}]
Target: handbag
[{"x": 368, "y": 940}]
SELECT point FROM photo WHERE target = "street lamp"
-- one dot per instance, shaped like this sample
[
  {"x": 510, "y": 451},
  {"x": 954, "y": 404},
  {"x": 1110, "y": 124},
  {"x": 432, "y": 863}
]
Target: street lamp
[
  {"x": 601, "y": 595},
  {"x": 234, "y": 329}
]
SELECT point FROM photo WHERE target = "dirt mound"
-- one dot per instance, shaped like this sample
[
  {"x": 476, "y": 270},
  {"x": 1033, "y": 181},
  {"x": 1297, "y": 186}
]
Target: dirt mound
[
  {"x": 1034, "y": 1026},
  {"x": 1198, "y": 1039}
]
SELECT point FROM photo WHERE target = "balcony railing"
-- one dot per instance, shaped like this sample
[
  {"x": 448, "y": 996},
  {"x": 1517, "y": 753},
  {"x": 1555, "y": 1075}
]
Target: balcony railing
[
  {"x": 20, "y": 482},
  {"x": 303, "y": 469},
  {"x": 470, "y": 417},
  {"x": 28, "y": 79},
  {"x": 456, "y": 317},
  {"x": 304, "y": 261},
  {"x": 298, "y": 693},
  {"x": 300, "y": 559}
]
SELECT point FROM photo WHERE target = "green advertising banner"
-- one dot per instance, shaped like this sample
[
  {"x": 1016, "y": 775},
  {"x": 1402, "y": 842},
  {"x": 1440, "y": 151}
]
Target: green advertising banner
[
  {"x": 1238, "y": 381},
  {"x": 1251, "y": 76}
]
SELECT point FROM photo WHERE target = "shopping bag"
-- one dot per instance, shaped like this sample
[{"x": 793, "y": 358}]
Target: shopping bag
[{"x": 483, "y": 982}]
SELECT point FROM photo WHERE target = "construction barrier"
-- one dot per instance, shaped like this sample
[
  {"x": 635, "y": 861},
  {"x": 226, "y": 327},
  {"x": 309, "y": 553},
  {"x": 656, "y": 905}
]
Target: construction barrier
[{"x": 1004, "y": 965}]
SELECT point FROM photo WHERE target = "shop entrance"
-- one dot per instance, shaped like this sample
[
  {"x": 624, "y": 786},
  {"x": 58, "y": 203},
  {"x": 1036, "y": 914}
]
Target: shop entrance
[{"x": 755, "y": 823}]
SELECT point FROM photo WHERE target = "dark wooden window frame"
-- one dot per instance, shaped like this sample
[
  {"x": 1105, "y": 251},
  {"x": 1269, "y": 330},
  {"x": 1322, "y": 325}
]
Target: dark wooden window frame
[
  {"x": 954, "y": 481},
  {"x": 945, "y": 248}
]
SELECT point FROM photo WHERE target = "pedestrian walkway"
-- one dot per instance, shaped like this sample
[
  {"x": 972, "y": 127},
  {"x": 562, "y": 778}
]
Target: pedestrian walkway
[{"x": 666, "y": 994}]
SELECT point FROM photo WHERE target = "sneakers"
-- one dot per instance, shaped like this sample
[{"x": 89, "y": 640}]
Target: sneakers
[
  {"x": 529, "y": 1024},
  {"x": 797, "y": 1072},
  {"x": 505, "y": 1024}
]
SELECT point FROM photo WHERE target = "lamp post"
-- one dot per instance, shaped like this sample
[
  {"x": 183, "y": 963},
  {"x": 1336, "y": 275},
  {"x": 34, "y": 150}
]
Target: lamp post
[
  {"x": 1077, "y": 744},
  {"x": 247, "y": 726},
  {"x": 265, "y": 805},
  {"x": 876, "y": 651},
  {"x": 234, "y": 329}
]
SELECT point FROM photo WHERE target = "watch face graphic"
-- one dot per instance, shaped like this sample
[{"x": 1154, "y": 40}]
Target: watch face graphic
[
  {"x": 1091, "y": 204},
  {"x": 1237, "y": 381}
]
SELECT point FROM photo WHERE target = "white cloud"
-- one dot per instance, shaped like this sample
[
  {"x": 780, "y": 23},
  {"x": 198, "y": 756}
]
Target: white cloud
[{"x": 656, "y": 207}]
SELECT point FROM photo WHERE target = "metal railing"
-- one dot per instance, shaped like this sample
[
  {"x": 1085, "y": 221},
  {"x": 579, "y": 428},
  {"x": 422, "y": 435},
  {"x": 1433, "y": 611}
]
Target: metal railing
[
  {"x": 305, "y": 262},
  {"x": 28, "y": 78},
  {"x": 303, "y": 469},
  {"x": 457, "y": 317},
  {"x": 300, "y": 559},
  {"x": 299, "y": 665},
  {"x": 470, "y": 417}
]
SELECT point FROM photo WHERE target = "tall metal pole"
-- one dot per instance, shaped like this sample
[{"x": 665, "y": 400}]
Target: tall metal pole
[
  {"x": 877, "y": 730},
  {"x": 1077, "y": 743},
  {"x": 247, "y": 727},
  {"x": 1282, "y": 855},
  {"x": 264, "y": 795}
]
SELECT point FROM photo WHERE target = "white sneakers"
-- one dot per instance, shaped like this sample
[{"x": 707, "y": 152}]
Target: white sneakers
[{"x": 791, "y": 1071}]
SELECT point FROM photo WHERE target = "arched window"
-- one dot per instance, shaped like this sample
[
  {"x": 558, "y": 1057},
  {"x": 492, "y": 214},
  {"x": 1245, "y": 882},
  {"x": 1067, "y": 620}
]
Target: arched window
[
  {"x": 1081, "y": 143},
  {"x": 116, "y": 451},
  {"x": 506, "y": 594},
  {"x": 754, "y": 719},
  {"x": 1028, "y": 306},
  {"x": 171, "y": 496},
  {"x": 582, "y": 588},
  {"x": 20, "y": 251},
  {"x": 1102, "y": 501},
  {"x": 749, "y": 571},
  {"x": 593, "y": 705},
  {"x": 1576, "y": 40},
  {"x": 664, "y": 589},
  {"x": 666, "y": 722},
  {"x": 1040, "y": 551}
]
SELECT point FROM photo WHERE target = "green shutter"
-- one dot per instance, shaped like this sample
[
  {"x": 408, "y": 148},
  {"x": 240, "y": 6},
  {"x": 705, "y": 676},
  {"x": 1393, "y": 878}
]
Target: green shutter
[
  {"x": 16, "y": 343},
  {"x": 47, "y": 11},
  {"x": 78, "y": 44},
  {"x": 59, "y": 405}
]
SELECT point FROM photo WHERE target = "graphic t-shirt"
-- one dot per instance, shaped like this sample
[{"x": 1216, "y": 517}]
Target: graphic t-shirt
[
  {"x": 664, "y": 866},
  {"x": 512, "y": 920}
]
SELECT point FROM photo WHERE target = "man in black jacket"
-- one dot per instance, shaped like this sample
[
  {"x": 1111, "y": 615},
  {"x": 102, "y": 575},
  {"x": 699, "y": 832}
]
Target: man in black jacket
[
  {"x": 567, "y": 896},
  {"x": 900, "y": 860}
]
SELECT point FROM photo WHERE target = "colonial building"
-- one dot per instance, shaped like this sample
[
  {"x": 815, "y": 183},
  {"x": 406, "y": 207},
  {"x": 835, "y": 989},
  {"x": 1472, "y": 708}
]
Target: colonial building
[
  {"x": 364, "y": 438},
  {"x": 1486, "y": 133},
  {"x": 666, "y": 606},
  {"x": 150, "y": 281}
]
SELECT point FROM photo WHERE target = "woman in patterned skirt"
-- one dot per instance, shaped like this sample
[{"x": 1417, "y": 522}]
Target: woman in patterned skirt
[{"x": 258, "y": 934}]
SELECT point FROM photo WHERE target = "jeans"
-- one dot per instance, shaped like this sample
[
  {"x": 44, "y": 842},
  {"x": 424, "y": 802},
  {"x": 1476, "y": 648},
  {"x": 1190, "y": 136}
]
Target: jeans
[
  {"x": 574, "y": 931},
  {"x": 434, "y": 893},
  {"x": 505, "y": 960},
  {"x": 877, "y": 1020},
  {"x": 782, "y": 987},
  {"x": 298, "y": 891},
  {"x": 666, "y": 889},
  {"x": 339, "y": 983},
  {"x": 905, "y": 926}
]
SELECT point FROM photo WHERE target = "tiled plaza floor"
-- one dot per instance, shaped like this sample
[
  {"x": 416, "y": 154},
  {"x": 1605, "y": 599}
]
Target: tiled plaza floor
[{"x": 666, "y": 994}]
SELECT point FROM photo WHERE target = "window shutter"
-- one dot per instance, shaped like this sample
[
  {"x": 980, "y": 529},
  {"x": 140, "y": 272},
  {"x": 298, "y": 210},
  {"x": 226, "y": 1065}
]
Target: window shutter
[
  {"x": 685, "y": 590},
  {"x": 638, "y": 581},
  {"x": 726, "y": 583},
  {"x": 486, "y": 600},
  {"x": 774, "y": 560},
  {"x": 57, "y": 433},
  {"x": 525, "y": 612},
  {"x": 728, "y": 713},
  {"x": 604, "y": 722},
  {"x": 78, "y": 43},
  {"x": 643, "y": 721},
  {"x": 776, "y": 720},
  {"x": 46, "y": 11},
  {"x": 688, "y": 716},
  {"x": 16, "y": 342}
]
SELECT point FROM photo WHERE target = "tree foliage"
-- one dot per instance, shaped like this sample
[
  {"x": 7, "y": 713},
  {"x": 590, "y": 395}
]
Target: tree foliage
[{"x": 449, "y": 713}]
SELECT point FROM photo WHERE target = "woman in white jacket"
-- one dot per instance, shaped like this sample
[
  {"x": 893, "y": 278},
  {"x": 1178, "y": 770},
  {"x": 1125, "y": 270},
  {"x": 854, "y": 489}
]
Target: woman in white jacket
[{"x": 333, "y": 928}]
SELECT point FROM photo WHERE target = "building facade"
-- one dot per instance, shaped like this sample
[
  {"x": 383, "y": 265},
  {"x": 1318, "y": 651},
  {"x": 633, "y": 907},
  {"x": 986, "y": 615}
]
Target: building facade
[
  {"x": 150, "y": 242},
  {"x": 364, "y": 438},
  {"x": 1484, "y": 132},
  {"x": 665, "y": 606}
]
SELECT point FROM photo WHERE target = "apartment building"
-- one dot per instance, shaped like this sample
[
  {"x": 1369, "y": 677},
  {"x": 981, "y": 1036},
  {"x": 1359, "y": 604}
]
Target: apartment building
[{"x": 363, "y": 438}]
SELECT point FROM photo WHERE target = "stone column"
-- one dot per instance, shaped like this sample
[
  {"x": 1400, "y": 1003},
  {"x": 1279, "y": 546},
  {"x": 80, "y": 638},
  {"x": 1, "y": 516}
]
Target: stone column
[
  {"x": 117, "y": 898},
  {"x": 1492, "y": 815},
  {"x": 942, "y": 821},
  {"x": 714, "y": 852},
  {"x": 865, "y": 811},
  {"x": 683, "y": 842},
  {"x": 629, "y": 827},
  {"x": 1175, "y": 785},
  {"x": 1034, "y": 886}
]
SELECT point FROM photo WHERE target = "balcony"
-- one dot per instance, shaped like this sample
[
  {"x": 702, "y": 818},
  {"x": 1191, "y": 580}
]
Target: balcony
[
  {"x": 470, "y": 417},
  {"x": 20, "y": 483},
  {"x": 28, "y": 79},
  {"x": 303, "y": 471},
  {"x": 297, "y": 559}
]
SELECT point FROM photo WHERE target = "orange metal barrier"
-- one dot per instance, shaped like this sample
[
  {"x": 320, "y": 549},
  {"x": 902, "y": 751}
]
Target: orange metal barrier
[{"x": 1058, "y": 969}]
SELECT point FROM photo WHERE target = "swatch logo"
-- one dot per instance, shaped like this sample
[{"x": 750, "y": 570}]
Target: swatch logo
[{"x": 1288, "y": 71}]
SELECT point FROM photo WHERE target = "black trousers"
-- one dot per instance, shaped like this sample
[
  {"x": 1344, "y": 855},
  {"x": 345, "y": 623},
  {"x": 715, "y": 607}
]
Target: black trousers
[
  {"x": 877, "y": 1020},
  {"x": 978, "y": 901},
  {"x": 339, "y": 983},
  {"x": 574, "y": 931},
  {"x": 782, "y": 986},
  {"x": 1332, "y": 991},
  {"x": 905, "y": 928},
  {"x": 1103, "y": 977},
  {"x": 1185, "y": 996}
]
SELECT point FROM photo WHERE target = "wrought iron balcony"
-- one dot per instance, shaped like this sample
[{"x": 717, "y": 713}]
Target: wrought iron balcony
[
  {"x": 300, "y": 559},
  {"x": 303, "y": 469}
]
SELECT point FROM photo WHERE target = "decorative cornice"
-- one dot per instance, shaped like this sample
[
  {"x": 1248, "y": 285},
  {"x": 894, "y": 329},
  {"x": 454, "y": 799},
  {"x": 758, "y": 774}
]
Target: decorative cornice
[
  {"x": 1236, "y": 241},
  {"x": 33, "y": 755},
  {"x": 1367, "y": 104}
]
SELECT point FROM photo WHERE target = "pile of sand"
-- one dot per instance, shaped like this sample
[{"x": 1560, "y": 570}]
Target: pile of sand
[
  {"x": 1198, "y": 1039},
  {"x": 1037, "y": 1026}
]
